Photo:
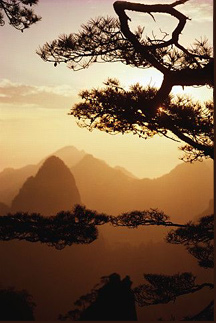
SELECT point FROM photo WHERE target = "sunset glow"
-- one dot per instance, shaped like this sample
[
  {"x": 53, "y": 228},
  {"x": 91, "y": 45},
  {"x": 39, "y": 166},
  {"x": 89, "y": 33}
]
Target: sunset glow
[
  {"x": 107, "y": 155},
  {"x": 35, "y": 97}
]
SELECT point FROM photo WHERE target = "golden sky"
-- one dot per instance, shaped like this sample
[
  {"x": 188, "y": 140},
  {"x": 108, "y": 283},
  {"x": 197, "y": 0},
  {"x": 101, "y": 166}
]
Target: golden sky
[{"x": 35, "y": 97}]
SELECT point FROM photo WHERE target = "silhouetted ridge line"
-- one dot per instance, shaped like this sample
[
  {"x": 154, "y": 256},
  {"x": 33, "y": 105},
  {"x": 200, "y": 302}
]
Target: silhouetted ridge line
[
  {"x": 187, "y": 187},
  {"x": 70, "y": 155},
  {"x": 53, "y": 189},
  {"x": 114, "y": 192}
]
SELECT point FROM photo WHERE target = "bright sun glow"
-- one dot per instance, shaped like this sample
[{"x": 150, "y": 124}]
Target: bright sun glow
[
  {"x": 35, "y": 100},
  {"x": 161, "y": 109}
]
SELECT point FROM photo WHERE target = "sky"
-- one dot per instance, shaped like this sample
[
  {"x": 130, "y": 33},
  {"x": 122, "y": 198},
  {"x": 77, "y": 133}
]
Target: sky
[{"x": 35, "y": 97}]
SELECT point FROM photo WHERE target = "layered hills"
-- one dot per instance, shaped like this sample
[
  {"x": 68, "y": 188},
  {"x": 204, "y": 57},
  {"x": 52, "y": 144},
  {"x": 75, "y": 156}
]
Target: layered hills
[
  {"x": 68, "y": 274},
  {"x": 11, "y": 179},
  {"x": 183, "y": 193}
]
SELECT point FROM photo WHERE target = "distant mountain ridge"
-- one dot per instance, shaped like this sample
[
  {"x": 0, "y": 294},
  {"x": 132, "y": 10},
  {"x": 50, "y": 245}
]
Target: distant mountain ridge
[
  {"x": 125, "y": 171},
  {"x": 183, "y": 193},
  {"x": 69, "y": 154},
  {"x": 12, "y": 179},
  {"x": 50, "y": 191}
]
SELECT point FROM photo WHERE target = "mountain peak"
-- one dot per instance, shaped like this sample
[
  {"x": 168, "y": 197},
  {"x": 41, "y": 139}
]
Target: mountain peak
[
  {"x": 69, "y": 154},
  {"x": 53, "y": 161},
  {"x": 69, "y": 148},
  {"x": 53, "y": 168},
  {"x": 52, "y": 190}
]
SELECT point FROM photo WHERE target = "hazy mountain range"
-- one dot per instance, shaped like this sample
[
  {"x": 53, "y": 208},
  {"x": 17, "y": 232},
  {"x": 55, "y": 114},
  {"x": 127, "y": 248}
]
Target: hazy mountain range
[
  {"x": 183, "y": 193},
  {"x": 57, "y": 278},
  {"x": 11, "y": 180}
]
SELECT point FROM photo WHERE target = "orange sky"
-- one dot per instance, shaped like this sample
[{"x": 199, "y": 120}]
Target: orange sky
[{"x": 35, "y": 97}]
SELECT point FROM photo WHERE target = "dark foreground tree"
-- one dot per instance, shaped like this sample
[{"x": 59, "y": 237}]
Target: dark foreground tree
[
  {"x": 18, "y": 13},
  {"x": 142, "y": 111},
  {"x": 159, "y": 288},
  {"x": 111, "y": 300},
  {"x": 80, "y": 226},
  {"x": 74, "y": 227},
  {"x": 64, "y": 229},
  {"x": 16, "y": 305},
  {"x": 114, "y": 299},
  {"x": 145, "y": 112},
  {"x": 198, "y": 239}
]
